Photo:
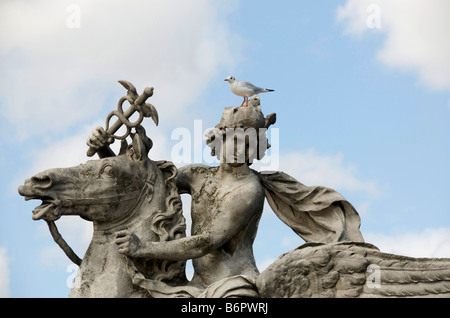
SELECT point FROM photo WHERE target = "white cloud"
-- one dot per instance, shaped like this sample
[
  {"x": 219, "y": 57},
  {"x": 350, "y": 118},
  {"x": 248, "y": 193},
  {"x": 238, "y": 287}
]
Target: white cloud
[
  {"x": 428, "y": 243},
  {"x": 4, "y": 274},
  {"x": 66, "y": 152},
  {"x": 312, "y": 168},
  {"x": 416, "y": 35},
  {"x": 54, "y": 76}
]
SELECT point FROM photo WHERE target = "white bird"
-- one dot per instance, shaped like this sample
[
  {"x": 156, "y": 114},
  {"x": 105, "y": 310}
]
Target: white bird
[{"x": 245, "y": 89}]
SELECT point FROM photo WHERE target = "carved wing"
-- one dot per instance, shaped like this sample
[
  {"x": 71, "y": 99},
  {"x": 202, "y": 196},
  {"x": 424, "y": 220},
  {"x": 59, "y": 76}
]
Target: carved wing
[
  {"x": 392, "y": 275},
  {"x": 345, "y": 270}
]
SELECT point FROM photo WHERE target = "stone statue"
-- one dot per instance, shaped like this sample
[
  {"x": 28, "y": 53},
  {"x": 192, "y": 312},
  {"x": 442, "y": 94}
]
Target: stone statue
[
  {"x": 128, "y": 191},
  {"x": 139, "y": 246}
]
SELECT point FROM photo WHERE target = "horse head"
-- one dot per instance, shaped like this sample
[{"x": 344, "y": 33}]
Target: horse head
[
  {"x": 128, "y": 191},
  {"x": 101, "y": 191}
]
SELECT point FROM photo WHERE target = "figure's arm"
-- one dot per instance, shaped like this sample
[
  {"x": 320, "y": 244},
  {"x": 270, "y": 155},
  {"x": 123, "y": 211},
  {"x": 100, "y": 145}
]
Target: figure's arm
[
  {"x": 236, "y": 215},
  {"x": 100, "y": 141}
]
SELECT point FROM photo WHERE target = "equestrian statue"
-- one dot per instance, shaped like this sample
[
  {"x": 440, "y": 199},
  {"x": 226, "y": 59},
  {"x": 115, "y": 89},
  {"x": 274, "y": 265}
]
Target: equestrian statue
[{"x": 139, "y": 246}]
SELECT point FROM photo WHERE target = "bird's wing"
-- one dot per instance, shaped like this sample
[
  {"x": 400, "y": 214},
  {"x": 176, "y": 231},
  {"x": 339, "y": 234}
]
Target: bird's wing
[{"x": 250, "y": 86}]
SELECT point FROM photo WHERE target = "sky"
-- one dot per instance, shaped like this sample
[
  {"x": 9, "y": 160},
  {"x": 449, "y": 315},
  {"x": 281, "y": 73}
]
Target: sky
[{"x": 362, "y": 97}]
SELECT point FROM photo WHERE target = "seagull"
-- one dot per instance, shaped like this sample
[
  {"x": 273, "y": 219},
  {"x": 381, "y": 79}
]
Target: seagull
[{"x": 245, "y": 89}]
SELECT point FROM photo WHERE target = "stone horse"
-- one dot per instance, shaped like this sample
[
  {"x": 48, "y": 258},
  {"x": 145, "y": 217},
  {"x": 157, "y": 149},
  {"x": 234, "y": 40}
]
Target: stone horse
[
  {"x": 132, "y": 192},
  {"x": 128, "y": 191}
]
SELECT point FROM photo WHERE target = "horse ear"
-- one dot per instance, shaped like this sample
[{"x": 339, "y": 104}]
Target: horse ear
[
  {"x": 140, "y": 151},
  {"x": 123, "y": 147}
]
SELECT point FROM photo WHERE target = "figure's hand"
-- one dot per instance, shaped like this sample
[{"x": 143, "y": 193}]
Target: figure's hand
[
  {"x": 99, "y": 139},
  {"x": 128, "y": 243}
]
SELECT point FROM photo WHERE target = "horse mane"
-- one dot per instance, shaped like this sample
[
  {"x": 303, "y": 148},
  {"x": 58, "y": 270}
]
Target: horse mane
[{"x": 169, "y": 225}]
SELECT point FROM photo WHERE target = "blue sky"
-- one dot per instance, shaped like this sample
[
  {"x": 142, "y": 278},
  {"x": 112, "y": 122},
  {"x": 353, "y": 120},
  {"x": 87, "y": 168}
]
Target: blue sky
[{"x": 362, "y": 107}]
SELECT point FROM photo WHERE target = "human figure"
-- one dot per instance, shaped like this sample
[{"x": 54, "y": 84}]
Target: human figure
[{"x": 227, "y": 204}]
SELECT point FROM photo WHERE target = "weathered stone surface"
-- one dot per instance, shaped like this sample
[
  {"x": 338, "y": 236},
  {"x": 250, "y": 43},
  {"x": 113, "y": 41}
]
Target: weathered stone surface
[
  {"x": 350, "y": 269},
  {"x": 128, "y": 192},
  {"x": 139, "y": 246}
]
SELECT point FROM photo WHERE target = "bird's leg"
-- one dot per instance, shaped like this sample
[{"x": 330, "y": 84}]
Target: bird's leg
[{"x": 245, "y": 102}]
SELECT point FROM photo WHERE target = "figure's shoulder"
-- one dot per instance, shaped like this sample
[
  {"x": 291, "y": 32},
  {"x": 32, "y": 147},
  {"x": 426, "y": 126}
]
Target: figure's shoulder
[
  {"x": 255, "y": 184},
  {"x": 193, "y": 169},
  {"x": 189, "y": 174},
  {"x": 249, "y": 187}
]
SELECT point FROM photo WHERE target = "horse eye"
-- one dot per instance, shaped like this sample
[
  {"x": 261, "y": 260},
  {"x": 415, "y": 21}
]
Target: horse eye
[{"x": 108, "y": 171}]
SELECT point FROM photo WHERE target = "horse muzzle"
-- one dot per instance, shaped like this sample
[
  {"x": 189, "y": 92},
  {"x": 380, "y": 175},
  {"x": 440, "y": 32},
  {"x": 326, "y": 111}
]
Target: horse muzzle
[{"x": 36, "y": 188}]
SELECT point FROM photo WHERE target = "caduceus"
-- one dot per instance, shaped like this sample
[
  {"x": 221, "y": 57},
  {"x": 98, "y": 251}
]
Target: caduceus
[{"x": 137, "y": 104}]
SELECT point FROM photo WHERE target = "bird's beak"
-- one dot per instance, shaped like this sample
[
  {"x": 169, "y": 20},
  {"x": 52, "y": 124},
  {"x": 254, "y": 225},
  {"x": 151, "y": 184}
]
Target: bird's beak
[{"x": 226, "y": 79}]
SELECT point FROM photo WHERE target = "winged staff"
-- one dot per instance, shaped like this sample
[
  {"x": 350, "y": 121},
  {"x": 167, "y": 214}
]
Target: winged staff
[{"x": 137, "y": 104}]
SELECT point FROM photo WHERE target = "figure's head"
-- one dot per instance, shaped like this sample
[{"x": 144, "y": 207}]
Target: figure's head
[
  {"x": 240, "y": 137},
  {"x": 230, "y": 79}
]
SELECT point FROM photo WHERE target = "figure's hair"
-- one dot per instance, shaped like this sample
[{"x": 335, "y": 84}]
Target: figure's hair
[
  {"x": 249, "y": 120},
  {"x": 213, "y": 136}
]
